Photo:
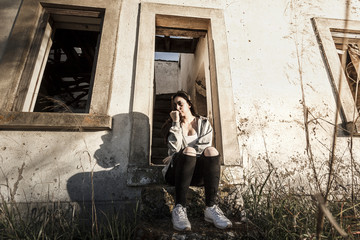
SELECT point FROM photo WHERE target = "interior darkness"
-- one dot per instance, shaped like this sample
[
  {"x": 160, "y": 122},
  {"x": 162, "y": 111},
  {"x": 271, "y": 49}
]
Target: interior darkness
[{"x": 66, "y": 82}]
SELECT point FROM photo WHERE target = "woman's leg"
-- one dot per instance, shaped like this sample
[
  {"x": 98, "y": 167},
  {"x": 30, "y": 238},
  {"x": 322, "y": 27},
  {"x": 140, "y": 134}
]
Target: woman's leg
[
  {"x": 212, "y": 212},
  {"x": 184, "y": 169},
  {"x": 211, "y": 168}
]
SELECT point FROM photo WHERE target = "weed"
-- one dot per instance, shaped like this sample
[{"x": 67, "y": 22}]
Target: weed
[
  {"x": 277, "y": 214},
  {"x": 57, "y": 221}
]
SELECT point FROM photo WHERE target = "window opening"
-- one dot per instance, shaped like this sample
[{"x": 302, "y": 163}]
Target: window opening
[
  {"x": 352, "y": 66},
  {"x": 178, "y": 66},
  {"x": 65, "y": 84}
]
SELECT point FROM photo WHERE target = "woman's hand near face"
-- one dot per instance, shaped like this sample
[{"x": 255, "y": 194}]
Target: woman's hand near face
[{"x": 175, "y": 116}]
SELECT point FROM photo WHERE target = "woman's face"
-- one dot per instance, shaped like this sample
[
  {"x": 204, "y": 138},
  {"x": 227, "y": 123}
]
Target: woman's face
[{"x": 182, "y": 106}]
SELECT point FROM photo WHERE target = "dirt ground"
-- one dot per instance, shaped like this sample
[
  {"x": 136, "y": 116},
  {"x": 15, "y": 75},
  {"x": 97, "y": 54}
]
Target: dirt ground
[{"x": 161, "y": 229}]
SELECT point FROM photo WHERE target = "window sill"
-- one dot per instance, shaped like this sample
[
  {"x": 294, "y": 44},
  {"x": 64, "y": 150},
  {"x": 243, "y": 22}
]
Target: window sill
[{"x": 53, "y": 121}]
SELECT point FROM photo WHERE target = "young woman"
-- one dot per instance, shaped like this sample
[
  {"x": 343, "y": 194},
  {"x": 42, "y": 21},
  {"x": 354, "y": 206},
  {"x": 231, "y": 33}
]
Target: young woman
[{"x": 192, "y": 161}]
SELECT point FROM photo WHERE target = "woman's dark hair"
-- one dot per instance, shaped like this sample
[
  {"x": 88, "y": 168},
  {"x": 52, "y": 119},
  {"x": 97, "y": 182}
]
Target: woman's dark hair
[
  {"x": 167, "y": 125},
  {"x": 187, "y": 97}
]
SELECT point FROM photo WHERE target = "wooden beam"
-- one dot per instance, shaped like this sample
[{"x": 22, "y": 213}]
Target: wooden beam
[
  {"x": 77, "y": 26},
  {"x": 76, "y": 19},
  {"x": 73, "y": 12},
  {"x": 179, "y": 32},
  {"x": 178, "y": 45},
  {"x": 182, "y": 22}
]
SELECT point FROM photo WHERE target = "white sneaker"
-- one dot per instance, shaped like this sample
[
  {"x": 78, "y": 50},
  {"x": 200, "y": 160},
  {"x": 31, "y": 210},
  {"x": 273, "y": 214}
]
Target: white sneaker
[
  {"x": 215, "y": 215},
  {"x": 179, "y": 218}
]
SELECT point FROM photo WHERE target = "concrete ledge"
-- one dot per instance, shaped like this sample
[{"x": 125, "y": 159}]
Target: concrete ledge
[
  {"x": 232, "y": 175},
  {"x": 143, "y": 176},
  {"x": 53, "y": 121}
]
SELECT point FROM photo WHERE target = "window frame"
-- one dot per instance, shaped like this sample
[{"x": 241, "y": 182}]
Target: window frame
[
  {"x": 323, "y": 28},
  {"x": 23, "y": 49}
]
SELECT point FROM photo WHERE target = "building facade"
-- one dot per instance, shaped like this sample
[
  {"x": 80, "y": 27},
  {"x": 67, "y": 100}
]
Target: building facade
[{"x": 80, "y": 81}]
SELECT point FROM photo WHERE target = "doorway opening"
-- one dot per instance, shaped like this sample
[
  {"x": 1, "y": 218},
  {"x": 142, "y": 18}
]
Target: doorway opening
[
  {"x": 181, "y": 63},
  {"x": 209, "y": 26}
]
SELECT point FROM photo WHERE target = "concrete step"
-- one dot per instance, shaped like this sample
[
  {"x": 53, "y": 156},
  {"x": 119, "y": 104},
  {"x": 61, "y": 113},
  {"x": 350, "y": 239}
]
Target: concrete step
[
  {"x": 157, "y": 132},
  {"x": 158, "y": 142},
  {"x": 158, "y": 124},
  {"x": 161, "y": 106},
  {"x": 157, "y": 160},
  {"x": 161, "y": 116},
  {"x": 160, "y": 151}
]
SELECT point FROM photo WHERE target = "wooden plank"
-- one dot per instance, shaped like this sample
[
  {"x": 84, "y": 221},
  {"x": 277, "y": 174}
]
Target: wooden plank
[
  {"x": 343, "y": 35},
  {"x": 182, "y": 22},
  {"x": 76, "y": 19},
  {"x": 73, "y": 12},
  {"x": 341, "y": 40},
  {"x": 29, "y": 65},
  {"x": 355, "y": 59},
  {"x": 53, "y": 121},
  {"x": 180, "y": 32},
  {"x": 38, "y": 72}
]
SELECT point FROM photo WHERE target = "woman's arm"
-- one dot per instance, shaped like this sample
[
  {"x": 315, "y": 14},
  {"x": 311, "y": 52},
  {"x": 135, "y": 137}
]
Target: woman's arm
[{"x": 175, "y": 138}]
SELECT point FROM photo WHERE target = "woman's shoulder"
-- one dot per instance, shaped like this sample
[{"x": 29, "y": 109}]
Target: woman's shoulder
[{"x": 203, "y": 120}]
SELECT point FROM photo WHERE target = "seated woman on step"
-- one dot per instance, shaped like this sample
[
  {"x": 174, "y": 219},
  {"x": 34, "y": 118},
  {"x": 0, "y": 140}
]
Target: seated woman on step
[{"x": 192, "y": 161}]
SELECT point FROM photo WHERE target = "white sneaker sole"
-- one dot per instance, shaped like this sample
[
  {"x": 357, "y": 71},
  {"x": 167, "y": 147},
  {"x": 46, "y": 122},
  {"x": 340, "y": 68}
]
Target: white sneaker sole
[
  {"x": 220, "y": 227},
  {"x": 181, "y": 229}
]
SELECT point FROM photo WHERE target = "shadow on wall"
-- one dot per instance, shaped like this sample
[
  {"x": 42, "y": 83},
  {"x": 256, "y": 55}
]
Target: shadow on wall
[
  {"x": 107, "y": 186},
  {"x": 11, "y": 7}
]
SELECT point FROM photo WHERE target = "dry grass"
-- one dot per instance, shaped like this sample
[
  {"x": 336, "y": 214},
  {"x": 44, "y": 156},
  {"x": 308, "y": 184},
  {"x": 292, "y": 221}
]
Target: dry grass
[{"x": 55, "y": 221}]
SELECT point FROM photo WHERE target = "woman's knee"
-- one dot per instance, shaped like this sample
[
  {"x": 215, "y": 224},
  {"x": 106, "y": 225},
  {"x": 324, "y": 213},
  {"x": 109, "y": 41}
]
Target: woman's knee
[
  {"x": 210, "y": 152},
  {"x": 189, "y": 151}
]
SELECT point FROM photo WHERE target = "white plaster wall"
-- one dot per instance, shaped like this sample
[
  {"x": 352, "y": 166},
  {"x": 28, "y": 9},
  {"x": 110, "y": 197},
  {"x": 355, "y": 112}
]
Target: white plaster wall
[
  {"x": 166, "y": 77},
  {"x": 8, "y": 13},
  {"x": 185, "y": 74},
  {"x": 65, "y": 165},
  {"x": 191, "y": 64},
  {"x": 273, "y": 54}
]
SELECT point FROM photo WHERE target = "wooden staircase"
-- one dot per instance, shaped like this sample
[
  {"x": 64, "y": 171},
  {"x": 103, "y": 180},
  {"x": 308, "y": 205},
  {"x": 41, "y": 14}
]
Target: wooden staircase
[{"x": 162, "y": 108}]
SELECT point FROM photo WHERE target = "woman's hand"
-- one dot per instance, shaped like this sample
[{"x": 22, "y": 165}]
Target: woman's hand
[{"x": 175, "y": 116}]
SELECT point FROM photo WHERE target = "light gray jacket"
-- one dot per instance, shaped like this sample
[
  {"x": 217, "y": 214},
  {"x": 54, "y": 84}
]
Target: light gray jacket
[{"x": 176, "y": 140}]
